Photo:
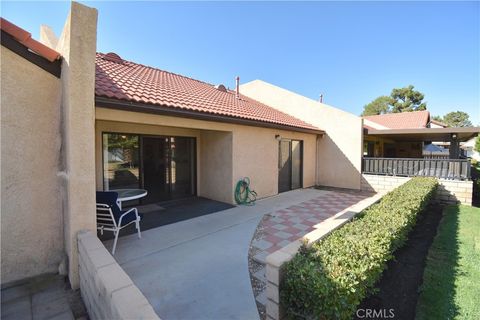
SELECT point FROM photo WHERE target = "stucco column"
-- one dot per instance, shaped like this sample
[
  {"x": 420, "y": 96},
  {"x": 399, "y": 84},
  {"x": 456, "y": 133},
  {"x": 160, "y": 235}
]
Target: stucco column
[
  {"x": 454, "y": 147},
  {"x": 77, "y": 44}
]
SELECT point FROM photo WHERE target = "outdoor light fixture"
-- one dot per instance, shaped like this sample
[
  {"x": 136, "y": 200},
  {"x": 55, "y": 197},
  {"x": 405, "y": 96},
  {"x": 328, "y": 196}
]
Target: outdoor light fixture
[
  {"x": 454, "y": 135},
  {"x": 278, "y": 137}
]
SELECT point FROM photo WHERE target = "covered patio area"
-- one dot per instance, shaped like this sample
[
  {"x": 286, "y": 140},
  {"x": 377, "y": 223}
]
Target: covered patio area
[{"x": 417, "y": 152}]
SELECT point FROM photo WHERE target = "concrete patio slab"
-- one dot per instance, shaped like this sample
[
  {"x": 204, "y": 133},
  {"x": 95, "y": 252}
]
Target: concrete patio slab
[{"x": 198, "y": 268}]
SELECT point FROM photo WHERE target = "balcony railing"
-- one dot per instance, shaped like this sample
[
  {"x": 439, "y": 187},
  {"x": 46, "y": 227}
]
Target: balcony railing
[{"x": 454, "y": 169}]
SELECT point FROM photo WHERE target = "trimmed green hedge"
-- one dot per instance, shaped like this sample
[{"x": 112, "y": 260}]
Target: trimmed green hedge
[{"x": 331, "y": 278}]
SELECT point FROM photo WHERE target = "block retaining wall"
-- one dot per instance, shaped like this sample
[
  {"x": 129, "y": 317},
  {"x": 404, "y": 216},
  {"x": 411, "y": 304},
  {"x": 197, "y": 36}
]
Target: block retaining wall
[
  {"x": 107, "y": 291},
  {"x": 448, "y": 192}
]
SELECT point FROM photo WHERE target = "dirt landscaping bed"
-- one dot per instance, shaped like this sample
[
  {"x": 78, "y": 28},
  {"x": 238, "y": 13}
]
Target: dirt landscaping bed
[{"x": 398, "y": 289}]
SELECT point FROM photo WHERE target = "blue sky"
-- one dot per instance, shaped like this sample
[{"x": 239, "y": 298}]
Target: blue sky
[{"x": 352, "y": 52}]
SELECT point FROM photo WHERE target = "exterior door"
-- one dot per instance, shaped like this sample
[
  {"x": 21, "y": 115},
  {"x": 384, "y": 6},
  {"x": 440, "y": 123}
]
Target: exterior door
[
  {"x": 168, "y": 165},
  {"x": 156, "y": 168},
  {"x": 284, "y": 166},
  {"x": 290, "y": 165},
  {"x": 182, "y": 165}
]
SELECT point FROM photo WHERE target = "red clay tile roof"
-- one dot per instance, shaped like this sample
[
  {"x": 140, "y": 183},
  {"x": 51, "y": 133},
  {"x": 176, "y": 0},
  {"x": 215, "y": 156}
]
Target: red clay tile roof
[
  {"x": 128, "y": 81},
  {"x": 25, "y": 38},
  {"x": 404, "y": 120}
]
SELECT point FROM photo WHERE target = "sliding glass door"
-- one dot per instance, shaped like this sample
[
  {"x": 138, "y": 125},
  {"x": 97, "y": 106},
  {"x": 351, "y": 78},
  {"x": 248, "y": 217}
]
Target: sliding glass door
[
  {"x": 182, "y": 167},
  {"x": 290, "y": 165},
  {"x": 164, "y": 166},
  {"x": 156, "y": 171}
]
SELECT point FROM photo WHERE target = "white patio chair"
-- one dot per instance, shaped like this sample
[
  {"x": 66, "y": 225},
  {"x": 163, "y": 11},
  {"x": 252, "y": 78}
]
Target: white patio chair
[{"x": 111, "y": 218}]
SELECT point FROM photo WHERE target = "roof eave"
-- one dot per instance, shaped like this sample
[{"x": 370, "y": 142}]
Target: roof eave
[
  {"x": 428, "y": 133},
  {"x": 52, "y": 67},
  {"x": 110, "y": 103}
]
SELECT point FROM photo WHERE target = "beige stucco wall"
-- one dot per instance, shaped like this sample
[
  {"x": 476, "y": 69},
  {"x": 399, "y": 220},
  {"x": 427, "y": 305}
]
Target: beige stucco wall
[
  {"x": 216, "y": 165},
  {"x": 255, "y": 154},
  {"x": 225, "y": 152},
  {"x": 31, "y": 215},
  {"x": 77, "y": 45},
  {"x": 339, "y": 151}
]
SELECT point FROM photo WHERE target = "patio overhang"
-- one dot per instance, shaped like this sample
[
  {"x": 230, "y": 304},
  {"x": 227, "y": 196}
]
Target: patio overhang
[
  {"x": 169, "y": 111},
  {"x": 426, "y": 134}
]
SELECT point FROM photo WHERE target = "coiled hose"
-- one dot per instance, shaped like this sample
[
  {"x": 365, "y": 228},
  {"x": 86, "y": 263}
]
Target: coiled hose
[{"x": 243, "y": 194}]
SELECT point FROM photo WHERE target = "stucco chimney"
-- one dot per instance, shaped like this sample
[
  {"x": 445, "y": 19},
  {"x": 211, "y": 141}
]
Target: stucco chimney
[
  {"x": 48, "y": 37},
  {"x": 77, "y": 45}
]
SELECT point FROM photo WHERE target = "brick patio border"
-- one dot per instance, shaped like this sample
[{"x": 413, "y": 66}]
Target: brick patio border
[{"x": 285, "y": 254}]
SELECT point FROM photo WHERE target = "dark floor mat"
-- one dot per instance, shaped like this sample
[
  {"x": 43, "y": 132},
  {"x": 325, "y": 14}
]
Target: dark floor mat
[{"x": 171, "y": 212}]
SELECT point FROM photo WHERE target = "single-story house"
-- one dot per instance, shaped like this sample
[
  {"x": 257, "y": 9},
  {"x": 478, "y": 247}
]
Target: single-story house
[
  {"x": 179, "y": 137},
  {"x": 75, "y": 121}
]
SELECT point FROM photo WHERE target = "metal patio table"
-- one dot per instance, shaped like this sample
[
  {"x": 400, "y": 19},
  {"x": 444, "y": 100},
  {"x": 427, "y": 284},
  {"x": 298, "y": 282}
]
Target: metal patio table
[{"x": 129, "y": 194}]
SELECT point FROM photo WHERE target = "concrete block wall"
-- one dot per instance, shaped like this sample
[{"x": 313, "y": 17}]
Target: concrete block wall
[
  {"x": 108, "y": 292},
  {"x": 448, "y": 192},
  {"x": 452, "y": 191},
  {"x": 376, "y": 183}
]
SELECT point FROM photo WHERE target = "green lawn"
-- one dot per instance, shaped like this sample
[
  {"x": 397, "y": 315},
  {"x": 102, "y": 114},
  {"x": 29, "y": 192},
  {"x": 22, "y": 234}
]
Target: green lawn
[{"x": 451, "y": 280}]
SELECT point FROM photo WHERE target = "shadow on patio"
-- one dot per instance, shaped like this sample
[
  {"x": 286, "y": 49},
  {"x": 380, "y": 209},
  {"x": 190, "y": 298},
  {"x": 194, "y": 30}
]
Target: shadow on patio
[{"x": 162, "y": 213}]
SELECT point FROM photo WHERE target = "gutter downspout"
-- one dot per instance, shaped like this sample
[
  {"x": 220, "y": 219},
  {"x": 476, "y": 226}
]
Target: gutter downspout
[{"x": 317, "y": 161}]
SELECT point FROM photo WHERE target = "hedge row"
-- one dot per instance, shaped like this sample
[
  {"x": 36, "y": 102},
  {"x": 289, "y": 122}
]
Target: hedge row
[{"x": 331, "y": 278}]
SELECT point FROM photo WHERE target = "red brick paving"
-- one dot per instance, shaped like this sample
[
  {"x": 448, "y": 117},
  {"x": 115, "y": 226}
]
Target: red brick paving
[{"x": 296, "y": 221}]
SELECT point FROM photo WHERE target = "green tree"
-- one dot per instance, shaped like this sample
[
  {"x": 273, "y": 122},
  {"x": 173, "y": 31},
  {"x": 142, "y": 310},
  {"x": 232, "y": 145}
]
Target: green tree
[
  {"x": 457, "y": 119},
  {"x": 400, "y": 100},
  {"x": 407, "y": 99},
  {"x": 437, "y": 118},
  {"x": 380, "y": 105}
]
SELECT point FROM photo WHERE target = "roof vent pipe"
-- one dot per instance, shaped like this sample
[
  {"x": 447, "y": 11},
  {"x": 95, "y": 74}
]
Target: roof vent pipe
[
  {"x": 321, "y": 98},
  {"x": 237, "y": 86}
]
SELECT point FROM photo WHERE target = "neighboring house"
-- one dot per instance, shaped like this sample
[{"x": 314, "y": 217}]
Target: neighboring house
[
  {"x": 75, "y": 121},
  {"x": 410, "y": 134},
  {"x": 410, "y": 144},
  {"x": 468, "y": 149},
  {"x": 374, "y": 146}
]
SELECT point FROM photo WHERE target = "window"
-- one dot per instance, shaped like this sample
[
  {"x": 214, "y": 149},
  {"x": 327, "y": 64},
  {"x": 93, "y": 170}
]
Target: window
[{"x": 120, "y": 161}]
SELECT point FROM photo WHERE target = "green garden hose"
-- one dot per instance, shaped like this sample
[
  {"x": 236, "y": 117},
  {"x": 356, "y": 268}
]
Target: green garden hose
[{"x": 243, "y": 194}]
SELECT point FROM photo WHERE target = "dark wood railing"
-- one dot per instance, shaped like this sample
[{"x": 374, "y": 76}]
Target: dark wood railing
[{"x": 455, "y": 169}]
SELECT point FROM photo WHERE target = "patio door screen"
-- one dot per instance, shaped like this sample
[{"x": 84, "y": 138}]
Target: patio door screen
[{"x": 290, "y": 164}]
